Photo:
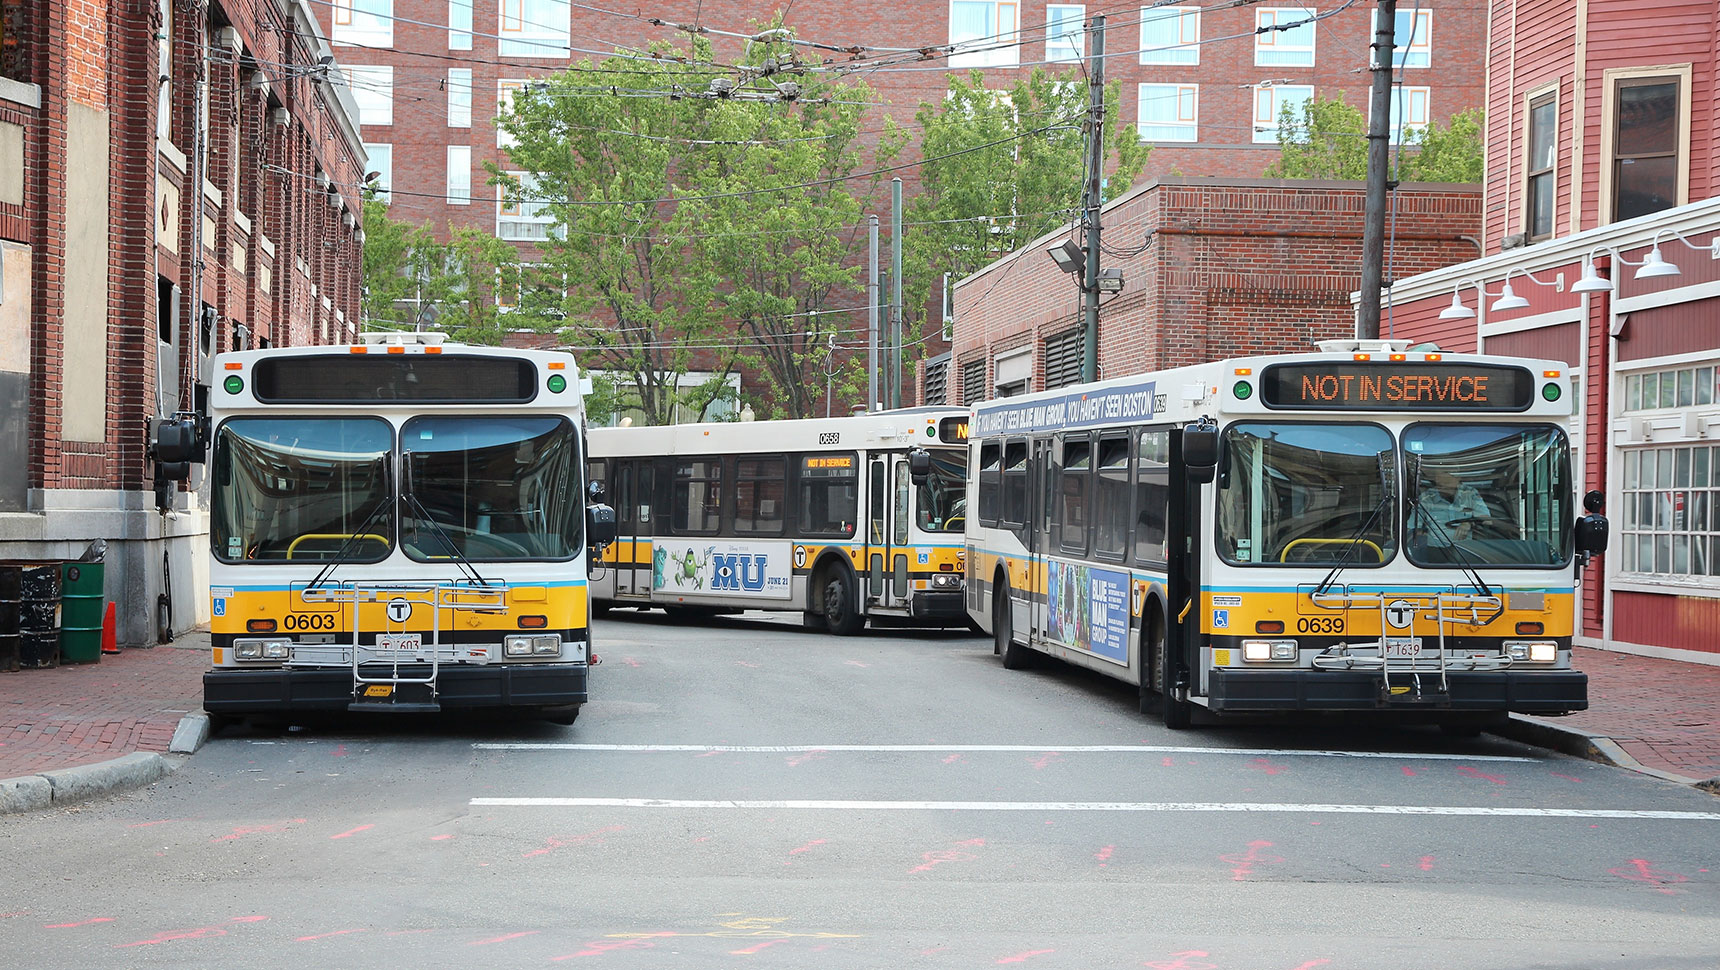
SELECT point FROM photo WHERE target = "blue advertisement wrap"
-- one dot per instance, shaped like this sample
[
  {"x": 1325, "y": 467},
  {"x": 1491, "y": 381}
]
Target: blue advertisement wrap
[
  {"x": 1076, "y": 409},
  {"x": 1089, "y": 609}
]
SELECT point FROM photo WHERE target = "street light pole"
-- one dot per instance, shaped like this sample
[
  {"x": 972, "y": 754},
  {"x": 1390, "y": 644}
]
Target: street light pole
[{"x": 1379, "y": 138}]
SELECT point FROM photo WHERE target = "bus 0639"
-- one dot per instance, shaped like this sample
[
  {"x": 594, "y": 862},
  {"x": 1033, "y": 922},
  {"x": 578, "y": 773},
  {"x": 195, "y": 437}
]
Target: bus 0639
[
  {"x": 397, "y": 525},
  {"x": 1360, "y": 529},
  {"x": 843, "y": 519}
]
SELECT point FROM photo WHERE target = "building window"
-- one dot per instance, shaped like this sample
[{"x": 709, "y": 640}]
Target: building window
[
  {"x": 973, "y": 382},
  {"x": 1678, "y": 388},
  {"x": 372, "y": 88},
  {"x": 459, "y": 191},
  {"x": 1671, "y": 503},
  {"x": 1065, "y": 32},
  {"x": 460, "y": 97},
  {"x": 1169, "y": 112},
  {"x": 363, "y": 23},
  {"x": 382, "y": 163},
  {"x": 1646, "y": 139},
  {"x": 1284, "y": 37},
  {"x": 1412, "y": 38},
  {"x": 1170, "y": 35},
  {"x": 1410, "y": 113},
  {"x": 505, "y": 90},
  {"x": 1063, "y": 359},
  {"x": 1271, "y": 101},
  {"x": 983, "y": 33},
  {"x": 533, "y": 28},
  {"x": 14, "y": 34},
  {"x": 520, "y": 214},
  {"x": 1542, "y": 142},
  {"x": 459, "y": 25}
]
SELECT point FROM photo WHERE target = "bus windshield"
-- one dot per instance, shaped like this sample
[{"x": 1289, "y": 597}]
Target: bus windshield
[
  {"x": 494, "y": 487},
  {"x": 1309, "y": 494},
  {"x": 942, "y": 497},
  {"x": 1488, "y": 495},
  {"x": 302, "y": 489}
]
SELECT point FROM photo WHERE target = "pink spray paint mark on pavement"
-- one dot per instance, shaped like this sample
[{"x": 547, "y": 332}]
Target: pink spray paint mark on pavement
[
  {"x": 338, "y": 752},
  {"x": 349, "y": 833},
  {"x": 748, "y": 951},
  {"x": 1426, "y": 863},
  {"x": 324, "y": 936},
  {"x": 241, "y": 831},
  {"x": 600, "y": 947},
  {"x": 439, "y": 838},
  {"x": 554, "y": 843},
  {"x": 67, "y": 926},
  {"x": 1408, "y": 771},
  {"x": 1045, "y": 759},
  {"x": 746, "y": 663},
  {"x": 1242, "y": 863},
  {"x": 1104, "y": 854},
  {"x": 1473, "y": 773},
  {"x": 1024, "y": 957},
  {"x": 200, "y": 933},
  {"x": 1168, "y": 762},
  {"x": 503, "y": 938},
  {"x": 1560, "y": 774},
  {"x": 795, "y": 761},
  {"x": 856, "y": 663},
  {"x": 1182, "y": 961},
  {"x": 806, "y": 848},
  {"x": 1643, "y": 871},
  {"x": 1311, "y": 964},
  {"x": 629, "y": 661},
  {"x": 1261, "y": 764},
  {"x": 952, "y": 759}
]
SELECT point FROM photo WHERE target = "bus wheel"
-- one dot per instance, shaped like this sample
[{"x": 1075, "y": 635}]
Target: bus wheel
[
  {"x": 1015, "y": 655},
  {"x": 1152, "y": 658},
  {"x": 1177, "y": 714},
  {"x": 840, "y": 617}
]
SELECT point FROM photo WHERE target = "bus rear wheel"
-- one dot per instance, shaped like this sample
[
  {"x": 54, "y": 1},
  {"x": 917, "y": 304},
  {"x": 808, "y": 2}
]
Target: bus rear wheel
[
  {"x": 1177, "y": 714},
  {"x": 1015, "y": 655},
  {"x": 840, "y": 616}
]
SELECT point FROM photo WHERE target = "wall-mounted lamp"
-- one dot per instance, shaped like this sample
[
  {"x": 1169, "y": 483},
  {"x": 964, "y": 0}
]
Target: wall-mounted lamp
[
  {"x": 1110, "y": 280},
  {"x": 1457, "y": 311},
  {"x": 1069, "y": 257},
  {"x": 1654, "y": 264},
  {"x": 1592, "y": 281},
  {"x": 1508, "y": 298}
]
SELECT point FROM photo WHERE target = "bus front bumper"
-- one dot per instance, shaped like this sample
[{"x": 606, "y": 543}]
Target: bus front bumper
[
  {"x": 1524, "y": 692},
  {"x": 938, "y": 606},
  {"x": 331, "y": 688}
]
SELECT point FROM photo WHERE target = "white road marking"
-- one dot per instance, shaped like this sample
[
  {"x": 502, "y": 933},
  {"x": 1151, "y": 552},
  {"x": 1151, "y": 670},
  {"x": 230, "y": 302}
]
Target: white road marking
[
  {"x": 1244, "y": 807},
  {"x": 1033, "y": 748}
]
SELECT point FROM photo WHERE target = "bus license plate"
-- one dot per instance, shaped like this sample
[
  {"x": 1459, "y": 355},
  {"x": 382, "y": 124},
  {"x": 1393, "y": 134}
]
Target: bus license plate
[
  {"x": 1403, "y": 648},
  {"x": 399, "y": 641}
]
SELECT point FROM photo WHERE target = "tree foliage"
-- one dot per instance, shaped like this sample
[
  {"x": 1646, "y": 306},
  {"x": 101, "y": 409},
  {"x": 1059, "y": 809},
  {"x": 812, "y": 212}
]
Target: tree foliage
[
  {"x": 1328, "y": 139},
  {"x": 411, "y": 278}
]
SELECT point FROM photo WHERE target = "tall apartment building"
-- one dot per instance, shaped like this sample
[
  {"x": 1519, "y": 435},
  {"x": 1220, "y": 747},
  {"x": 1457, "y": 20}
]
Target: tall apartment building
[{"x": 1203, "y": 82}]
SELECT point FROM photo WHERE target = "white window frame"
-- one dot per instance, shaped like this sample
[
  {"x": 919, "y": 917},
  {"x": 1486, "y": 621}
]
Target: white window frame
[
  {"x": 1186, "y": 29},
  {"x": 997, "y": 47},
  {"x": 511, "y": 216},
  {"x": 1418, "y": 54},
  {"x": 505, "y": 88},
  {"x": 1281, "y": 48},
  {"x": 1275, "y": 96},
  {"x": 372, "y": 89},
  {"x": 460, "y": 25},
  {"x": 533, "y": 28},
  {"x": 1415, "y": 102},
  {"x": 1061, "y": 43},
  {"x": 362, "y": 23},
  {"x": 458, "y": 183},
  {"x": 1186, "y": 109},
  {"x": 459, "y": 97},
  {"x": 381, "y": 160}
]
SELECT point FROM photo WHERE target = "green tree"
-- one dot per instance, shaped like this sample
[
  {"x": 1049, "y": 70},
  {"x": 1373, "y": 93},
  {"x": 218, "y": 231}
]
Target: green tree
[
  {"x": 1328, "y": 139},
  {"x": 1003, "y": 168},
  {"x": 393, "y": 260},
  {"x": 1449, "y": 154},
  {"x": 460, "y": 286}
]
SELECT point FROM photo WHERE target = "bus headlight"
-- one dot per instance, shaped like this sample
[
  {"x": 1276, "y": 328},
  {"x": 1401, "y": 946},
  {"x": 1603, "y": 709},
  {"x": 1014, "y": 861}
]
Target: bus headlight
[
  {"x": 1533, "y": 651},
  {"x": 1261, "y": 651},
  {"x": 532, "y": 645},
  {"x": 270, "y": 649},
  {"x": 946, "y": 581}
]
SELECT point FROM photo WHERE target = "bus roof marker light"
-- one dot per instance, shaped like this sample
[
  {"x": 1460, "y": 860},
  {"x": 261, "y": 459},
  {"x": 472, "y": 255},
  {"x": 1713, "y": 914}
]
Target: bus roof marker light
[
  {"x": 234, "y": 365},
  {"x": 1549, "y": 373},
  {"x": 358, "y": 350},
  {"x": 1363, "y": 356}
]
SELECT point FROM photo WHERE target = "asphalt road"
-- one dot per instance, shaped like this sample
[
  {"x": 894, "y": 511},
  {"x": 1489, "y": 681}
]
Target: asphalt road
[{"x": 750, "y": 794}]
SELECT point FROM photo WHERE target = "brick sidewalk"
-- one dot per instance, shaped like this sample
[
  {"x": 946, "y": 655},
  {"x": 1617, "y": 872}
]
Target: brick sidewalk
[
  {"x": 1663, "y": 713},
  {"x": 79, "y": 714}
]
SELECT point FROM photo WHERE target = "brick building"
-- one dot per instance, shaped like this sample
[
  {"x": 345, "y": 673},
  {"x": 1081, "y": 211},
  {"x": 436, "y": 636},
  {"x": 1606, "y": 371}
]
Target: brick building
[
  {"x": 176, "y": 178},
  {"x": 1203, "y": 83},
  {"x": 1211, "y": 268}
]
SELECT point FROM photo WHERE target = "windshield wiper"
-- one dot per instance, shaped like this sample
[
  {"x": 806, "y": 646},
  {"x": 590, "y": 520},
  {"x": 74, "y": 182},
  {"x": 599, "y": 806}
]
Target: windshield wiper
[
  {"x": 1388, "y": 467},
  {"x": 349, "y": 544},
  {"x": 1469, "y": 570},
  {"x": 469, "y": 571}
]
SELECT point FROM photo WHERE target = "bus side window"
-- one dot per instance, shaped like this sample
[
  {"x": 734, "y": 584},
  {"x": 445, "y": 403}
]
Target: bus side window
[
  {"x": 1111, "y": 499},
  {"x": 1074, "y": 494},
  {"x": 829, "y": 496},
  {"x": 697, "y": 496},
  {"x": 1152, "y": 495},
  {"x": 759, "y": 484},
  {"x": 1015, "y": 484},
  {"x": 990, "y": 481}
]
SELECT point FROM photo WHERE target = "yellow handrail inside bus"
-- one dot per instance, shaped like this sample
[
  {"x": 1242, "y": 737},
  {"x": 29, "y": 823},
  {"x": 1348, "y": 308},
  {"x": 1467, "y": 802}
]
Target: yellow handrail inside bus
[
  {"x": 334, "y": 535},
  {"x": 1285, "y": 555}
]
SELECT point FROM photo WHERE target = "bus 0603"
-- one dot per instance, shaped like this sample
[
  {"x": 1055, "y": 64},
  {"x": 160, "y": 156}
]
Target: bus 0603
[
  {"x": 397, "y": 525},
  {"x": 1363, "y": 528},
  {"x": 843, "y": 519}
]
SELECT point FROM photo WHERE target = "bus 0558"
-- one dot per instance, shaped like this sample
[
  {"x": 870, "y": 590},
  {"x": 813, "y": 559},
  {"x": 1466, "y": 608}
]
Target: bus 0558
[
  {"x": 1364, "y": 528},
  {"x": 844, "y": 519},
  {"x": 398, "y": 525}
]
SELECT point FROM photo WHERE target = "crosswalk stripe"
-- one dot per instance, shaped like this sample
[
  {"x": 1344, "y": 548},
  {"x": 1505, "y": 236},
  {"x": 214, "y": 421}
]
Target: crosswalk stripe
[{"x": 1033, "y": 748}]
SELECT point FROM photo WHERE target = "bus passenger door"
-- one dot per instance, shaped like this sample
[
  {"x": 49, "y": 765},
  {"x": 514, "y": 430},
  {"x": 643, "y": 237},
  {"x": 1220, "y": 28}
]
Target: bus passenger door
[
  {"x": 633, "y": 492},
  {"x": 877, "y": 527},
  {"x": 1040, "y": 482},
  {"x": 900, "y": 548}
]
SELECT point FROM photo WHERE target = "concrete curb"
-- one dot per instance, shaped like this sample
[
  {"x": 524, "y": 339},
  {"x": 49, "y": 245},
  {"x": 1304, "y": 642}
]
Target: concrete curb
[
  {"x": 62, "y": 786},
  {"x": 1593, "y": 747}
]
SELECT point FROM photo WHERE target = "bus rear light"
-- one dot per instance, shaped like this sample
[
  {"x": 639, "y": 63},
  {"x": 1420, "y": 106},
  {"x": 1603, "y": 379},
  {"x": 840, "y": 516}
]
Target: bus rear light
[
  {"x": 945, "y": 567},
  {"x": 1269, "y": 626},
  {"x": 533, "y": 622},
  {"x": 1260, "y": 651},
  {"x": 268, "y": 626},
  {"x": 1531, "y": 629}
]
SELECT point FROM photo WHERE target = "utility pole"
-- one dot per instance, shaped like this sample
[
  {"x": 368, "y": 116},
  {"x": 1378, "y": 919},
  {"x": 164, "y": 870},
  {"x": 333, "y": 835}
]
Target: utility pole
[
  {"x": 1094, "y": 198},
  {"x": 895, "y": 293},
  {"x": 1379, "y": 154},
  {"x": 872, "y": 313}
]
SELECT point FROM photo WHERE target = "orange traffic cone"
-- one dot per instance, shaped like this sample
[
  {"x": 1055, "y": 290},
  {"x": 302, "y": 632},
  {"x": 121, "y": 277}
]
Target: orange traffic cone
[{"x": 109, "y": 642}]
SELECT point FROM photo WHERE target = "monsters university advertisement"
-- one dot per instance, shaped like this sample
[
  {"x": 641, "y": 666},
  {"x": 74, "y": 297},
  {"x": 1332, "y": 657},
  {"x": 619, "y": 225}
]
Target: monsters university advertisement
[{"x": 694, "y": 567}]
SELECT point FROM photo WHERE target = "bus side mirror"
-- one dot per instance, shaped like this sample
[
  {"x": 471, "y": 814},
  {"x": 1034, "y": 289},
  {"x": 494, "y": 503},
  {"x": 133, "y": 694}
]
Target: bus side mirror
[
  {"x": 599, "y": 526},
  {"x": 176, "y": 441},
  {"x": 596, "y": 491},
  {"x": 919, "y": 465},
  {"x": 1200, "y": 453},
  {"x": 1590, "y": 532}
]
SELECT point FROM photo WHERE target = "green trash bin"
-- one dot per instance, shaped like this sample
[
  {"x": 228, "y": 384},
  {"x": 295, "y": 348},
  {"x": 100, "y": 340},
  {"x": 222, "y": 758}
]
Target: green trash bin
[{"x": 82, "y": 606}]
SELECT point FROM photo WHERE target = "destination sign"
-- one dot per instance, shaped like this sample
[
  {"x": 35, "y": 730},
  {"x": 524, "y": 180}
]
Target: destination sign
[
  {"x": 953, "y": 431},
  {"x": 1344, "y": 385},
  {"x": 367, "y": 379},
  {"x": 1137, "y": 401},
  {"x": 820, "y": 462}
]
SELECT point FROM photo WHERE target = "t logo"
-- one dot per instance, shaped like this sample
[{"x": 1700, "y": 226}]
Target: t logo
[{"x": 1399, "y": 613}]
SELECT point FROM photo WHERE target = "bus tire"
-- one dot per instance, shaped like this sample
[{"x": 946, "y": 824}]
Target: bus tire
[
  {"x": 1015, "y": 655},
  {"x": 1177, "y": 714},
  {"x": 1152, "y": 647},
  {"x": 840, "y": 616}
]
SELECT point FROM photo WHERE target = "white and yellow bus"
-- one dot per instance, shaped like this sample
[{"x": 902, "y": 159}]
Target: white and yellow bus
[
  {"x": 398, "y": 525},
  {"x": 1363, "y": 528},
  {"x": 843, "y": 519}
]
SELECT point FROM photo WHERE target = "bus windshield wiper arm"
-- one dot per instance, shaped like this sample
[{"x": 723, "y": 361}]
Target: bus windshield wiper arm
[
  {"x": 465, "y": 566},
  {"x": 1469, "y": 570},
  {"x": 1387, "y": 465},
  {"x": 349, "y": 544}
]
